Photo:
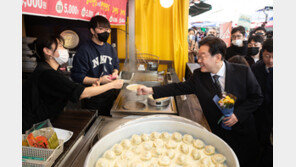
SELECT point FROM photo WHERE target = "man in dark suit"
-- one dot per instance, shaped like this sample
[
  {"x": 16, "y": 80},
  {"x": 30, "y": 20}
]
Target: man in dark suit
[
  {"x": 214, "y": 76},
  {"x": 263, "y": 71}
]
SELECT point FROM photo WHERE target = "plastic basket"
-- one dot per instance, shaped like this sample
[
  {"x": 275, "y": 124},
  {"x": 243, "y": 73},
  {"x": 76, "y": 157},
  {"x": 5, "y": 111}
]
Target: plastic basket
[{"x": 50, "y": 155}]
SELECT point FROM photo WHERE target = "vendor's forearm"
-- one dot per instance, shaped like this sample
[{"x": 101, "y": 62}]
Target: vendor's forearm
[
  {"x": 89, "y": 80},
  {"x": 93, "y": 91}
]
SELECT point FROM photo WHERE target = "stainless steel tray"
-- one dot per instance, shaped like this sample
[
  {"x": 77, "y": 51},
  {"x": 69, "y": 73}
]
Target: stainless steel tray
[{"x": 118, "y": 109}]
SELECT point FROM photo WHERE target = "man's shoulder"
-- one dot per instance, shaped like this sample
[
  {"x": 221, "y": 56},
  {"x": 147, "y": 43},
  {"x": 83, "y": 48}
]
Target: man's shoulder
[
  {"x": 258, "y": 64},
  {"x": 237, "y": 67},
  {"x": 197, "y": 72},
  {"x": 85, "y": 46}
]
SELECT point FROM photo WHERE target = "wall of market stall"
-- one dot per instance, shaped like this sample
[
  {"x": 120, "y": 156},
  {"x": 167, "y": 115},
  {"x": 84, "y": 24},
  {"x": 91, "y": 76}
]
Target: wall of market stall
[{"x": 159, "y": 31}]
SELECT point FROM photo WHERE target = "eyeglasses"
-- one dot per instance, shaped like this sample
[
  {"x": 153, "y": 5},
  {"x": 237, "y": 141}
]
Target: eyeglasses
[
  {"x": 267, "y": 56},
  {"x": 104, "y": 29},
  {"x": 202, "y": 57},
  {"x": 236, "y": 36}
]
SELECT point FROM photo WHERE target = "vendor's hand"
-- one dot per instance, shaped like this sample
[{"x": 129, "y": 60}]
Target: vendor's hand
[
  {"x": 143, "y": 90},
  {"x": 230, "y": 121},
  {"x": 105, "y": 79},
  {"x": 97, "y": 83},
  {"x": 115, "y": 74},
  {"x": 117, "y": 84}
]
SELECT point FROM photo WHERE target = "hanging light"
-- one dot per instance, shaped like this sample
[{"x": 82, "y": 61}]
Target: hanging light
[{"x": 166, "y": 3}]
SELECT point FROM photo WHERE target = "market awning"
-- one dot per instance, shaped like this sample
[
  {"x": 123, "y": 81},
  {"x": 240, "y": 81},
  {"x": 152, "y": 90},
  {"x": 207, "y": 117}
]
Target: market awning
[
  {"x": 113, "y": 10},
  {"x": 198, "y": 8}
]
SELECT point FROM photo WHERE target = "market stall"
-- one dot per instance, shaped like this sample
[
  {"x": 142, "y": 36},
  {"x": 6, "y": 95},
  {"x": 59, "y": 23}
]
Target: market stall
[{"x": 86, "y": 126}]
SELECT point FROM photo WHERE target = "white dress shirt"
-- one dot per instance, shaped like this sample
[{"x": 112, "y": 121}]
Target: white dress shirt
[{"x": 221, "y": 73}]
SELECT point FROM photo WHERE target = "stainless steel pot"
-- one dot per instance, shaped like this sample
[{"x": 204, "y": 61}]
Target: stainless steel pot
[
  {"x": 132, "y": 96},
  {"x": 159, "y": 102},
  {"x": 128, "y": 120},
  {"x": 169, "y": 126}
]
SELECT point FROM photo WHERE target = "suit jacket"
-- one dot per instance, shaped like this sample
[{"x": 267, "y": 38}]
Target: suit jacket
[
  {"x": 239, "y": 81},
  {"x": 264, "y": 115},
  {"x": 235, "y": 50}
]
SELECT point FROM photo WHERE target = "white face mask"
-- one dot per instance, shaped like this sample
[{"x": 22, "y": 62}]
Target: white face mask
[
  {"x": 237, "y": 42},
  {"x": 63, "y": 56},
  {"x": 191, "y": 37}
]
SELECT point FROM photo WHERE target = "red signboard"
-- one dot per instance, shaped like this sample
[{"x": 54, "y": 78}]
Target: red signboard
[
  {"x": 113, "y": 10},
  {"x": 225, "y": 32}
]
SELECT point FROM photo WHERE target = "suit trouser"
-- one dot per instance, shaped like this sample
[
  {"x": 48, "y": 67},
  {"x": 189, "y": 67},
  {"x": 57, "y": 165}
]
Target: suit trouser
[{"x": 244, "y": 143}]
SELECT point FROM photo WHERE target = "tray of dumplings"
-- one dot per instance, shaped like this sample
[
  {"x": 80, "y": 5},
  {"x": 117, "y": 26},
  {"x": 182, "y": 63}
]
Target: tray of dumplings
[{"x": 161, "y": 143}]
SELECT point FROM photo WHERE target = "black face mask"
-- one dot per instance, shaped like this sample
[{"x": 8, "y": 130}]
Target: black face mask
[
  {"x": 252, "y": 51},
  {"x": 103, "y": 36},
  {"x": 259, "y": 33}
]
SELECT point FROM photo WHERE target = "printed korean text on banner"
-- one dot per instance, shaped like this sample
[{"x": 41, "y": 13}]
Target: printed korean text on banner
[
  {"x": 245, "y": 21},
  {"x": 225, "y": 32},
  {"x": 113, "y": 10}
]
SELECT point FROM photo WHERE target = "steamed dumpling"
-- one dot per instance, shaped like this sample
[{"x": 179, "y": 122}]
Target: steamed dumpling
[
  {"x": 195, "y": 154},
  {"x": 109, "y": 154},
  {"x": 135, "y": 164},
  {"x": 127, "y": 155},
  {"x": 153, "y": 164},
  {"x": 136, "y": 139},
  {"x": 117, "y": 149},
  {"x": 154, "y": 135},
  {"x": 145, "y": 156},
  {"x": 218, "y": 158},
  {"x": 209, "y": 150},
  {"x": 184, "y": 148},
  {"x": 102, "y": 162},
  {"x": 164, "y": 161},
  {"x": 126, "y": 144},
  {"x": 117, "y": 164},
  {"x": 187, "y": 139},
  {"x": 165, "y": 136},
  {"x": 157, "y": 152},
  {"x": 158, "y": 143},
  {"x": 171, "y": 144},
  {"x": 177, "y": 136},
  {"x": 145, "y": 137},
  {"x": 206, "y": 161},
  {"x": 198, "y": 144},
  {"x": 181, "y": 159},
  {"x": 136, "y": 150},
  {"x": 148, "y": 145},
  {"x": 170, "y": 154}
]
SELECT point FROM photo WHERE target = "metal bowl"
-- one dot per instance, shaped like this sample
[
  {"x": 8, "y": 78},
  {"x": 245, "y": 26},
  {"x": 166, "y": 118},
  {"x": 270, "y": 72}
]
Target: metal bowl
[
  {"x": 127, "y": 131},
  {"x": 159, "y": 102}
]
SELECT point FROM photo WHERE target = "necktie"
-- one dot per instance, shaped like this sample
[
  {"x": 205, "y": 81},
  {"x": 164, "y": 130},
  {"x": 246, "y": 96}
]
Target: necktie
[{"x": 217, "y": 84}]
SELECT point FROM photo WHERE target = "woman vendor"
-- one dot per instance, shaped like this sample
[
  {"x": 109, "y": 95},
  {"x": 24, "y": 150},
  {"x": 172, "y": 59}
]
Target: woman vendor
[{"x": 47, "y": 91}]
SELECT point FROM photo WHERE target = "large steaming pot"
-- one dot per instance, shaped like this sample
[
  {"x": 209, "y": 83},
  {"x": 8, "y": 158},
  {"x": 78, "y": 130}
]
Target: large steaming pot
[{"x": 160, "y": 126}]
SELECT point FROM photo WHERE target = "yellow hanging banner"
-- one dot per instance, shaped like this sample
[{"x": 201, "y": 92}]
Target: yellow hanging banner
[{"x": 163, "y": 31}]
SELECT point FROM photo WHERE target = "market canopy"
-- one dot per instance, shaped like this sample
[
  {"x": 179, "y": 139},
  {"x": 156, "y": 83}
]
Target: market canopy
[
  {"x": 232, "y": 10},
  {"x": 113, "y": 10}
]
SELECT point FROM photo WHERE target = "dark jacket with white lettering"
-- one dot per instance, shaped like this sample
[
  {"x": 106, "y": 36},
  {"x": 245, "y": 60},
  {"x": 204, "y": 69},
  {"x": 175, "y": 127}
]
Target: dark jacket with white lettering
[{"x": 93, "y": 60}]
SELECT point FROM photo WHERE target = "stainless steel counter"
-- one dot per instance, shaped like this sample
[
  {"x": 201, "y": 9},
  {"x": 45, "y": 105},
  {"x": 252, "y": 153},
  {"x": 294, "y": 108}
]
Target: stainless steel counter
[{"x": 140, "y": 104}]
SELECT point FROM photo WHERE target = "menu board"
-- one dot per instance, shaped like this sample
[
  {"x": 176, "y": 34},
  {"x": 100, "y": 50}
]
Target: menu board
[{"x": 113, "y": 10}]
